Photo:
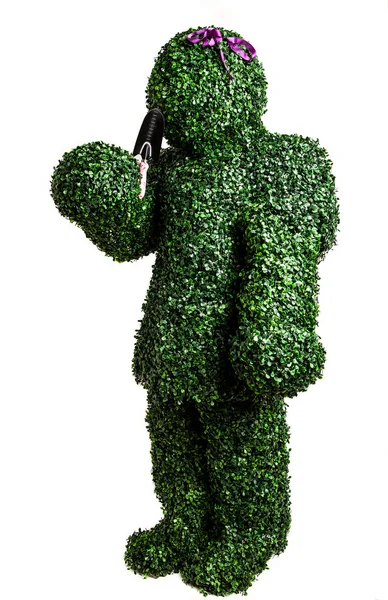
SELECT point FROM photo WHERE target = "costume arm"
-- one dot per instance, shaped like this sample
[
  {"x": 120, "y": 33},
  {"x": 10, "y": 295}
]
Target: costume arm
[
  {"x": 97, "y": 186},
  {"x": 276, "y": 350}
]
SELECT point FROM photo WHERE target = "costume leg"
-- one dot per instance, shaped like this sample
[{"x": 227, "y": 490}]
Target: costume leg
[
  {"x": 180, "y": 480},
  {"x": 247, "y": 460}
]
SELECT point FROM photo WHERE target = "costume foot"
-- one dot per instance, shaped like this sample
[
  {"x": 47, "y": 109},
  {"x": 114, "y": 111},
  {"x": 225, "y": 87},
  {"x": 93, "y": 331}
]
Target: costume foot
[
  {"x": 229, "y": 566},
  {"x": 149, "y": 552}
]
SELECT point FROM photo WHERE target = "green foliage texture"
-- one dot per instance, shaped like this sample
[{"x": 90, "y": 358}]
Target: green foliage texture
[{"x": 239, "y": 219}]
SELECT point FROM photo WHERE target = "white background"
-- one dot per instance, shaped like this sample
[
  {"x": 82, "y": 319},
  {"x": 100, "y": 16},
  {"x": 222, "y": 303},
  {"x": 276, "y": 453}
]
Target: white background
[{"x": 75, "y": 465}]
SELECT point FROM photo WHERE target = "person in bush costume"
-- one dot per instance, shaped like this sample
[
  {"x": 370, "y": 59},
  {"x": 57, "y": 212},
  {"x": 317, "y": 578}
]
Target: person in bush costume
[{"x": 239, "y": 219}]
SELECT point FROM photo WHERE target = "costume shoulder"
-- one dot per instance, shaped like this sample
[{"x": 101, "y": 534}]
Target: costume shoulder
[{"x": 294, "y": 180}]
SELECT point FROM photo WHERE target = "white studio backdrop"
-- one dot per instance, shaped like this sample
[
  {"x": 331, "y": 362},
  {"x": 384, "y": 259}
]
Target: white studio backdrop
[{"x": 75, "y": 465}]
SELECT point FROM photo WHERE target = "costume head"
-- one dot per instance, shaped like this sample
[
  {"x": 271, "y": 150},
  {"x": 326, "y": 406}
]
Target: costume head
[{"x": 202, "y": 104}]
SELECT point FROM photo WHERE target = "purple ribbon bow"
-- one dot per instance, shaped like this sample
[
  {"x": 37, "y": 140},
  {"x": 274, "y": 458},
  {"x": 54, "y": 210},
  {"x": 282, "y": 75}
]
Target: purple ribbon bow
[{"x": 211, "y": 36}]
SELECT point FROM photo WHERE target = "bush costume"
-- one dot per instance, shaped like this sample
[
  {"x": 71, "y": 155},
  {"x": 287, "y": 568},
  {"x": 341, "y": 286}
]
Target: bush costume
[{"x": 239, "y": 219}]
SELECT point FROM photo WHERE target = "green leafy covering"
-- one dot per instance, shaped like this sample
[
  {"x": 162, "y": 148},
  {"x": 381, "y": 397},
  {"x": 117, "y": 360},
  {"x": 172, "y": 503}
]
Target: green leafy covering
[
  {"x": 97, "y": 186},
  {"x": 239, "y": 218}
]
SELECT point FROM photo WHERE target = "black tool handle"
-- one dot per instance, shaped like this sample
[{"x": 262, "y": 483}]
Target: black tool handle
[{"x": 149, "y": 140}]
